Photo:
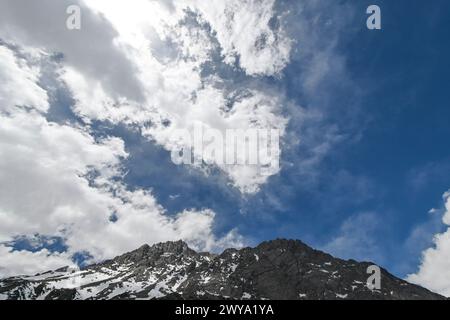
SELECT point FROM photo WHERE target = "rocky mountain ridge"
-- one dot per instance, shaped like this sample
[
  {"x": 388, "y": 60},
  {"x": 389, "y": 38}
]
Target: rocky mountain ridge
[{"x": 278, "y": 269}]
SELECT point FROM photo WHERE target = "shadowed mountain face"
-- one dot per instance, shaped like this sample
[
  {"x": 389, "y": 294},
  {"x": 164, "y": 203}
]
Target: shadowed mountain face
[{"x": 279, "y": 269}]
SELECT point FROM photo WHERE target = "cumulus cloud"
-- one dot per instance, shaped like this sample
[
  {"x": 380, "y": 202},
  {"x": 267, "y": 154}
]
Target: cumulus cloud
[
  {"x": 92, "y": 49},
  {"x": 170, "y": 52},
  {"x": 14, "y": 263},
  {"x": 166, "y": 73},
  {"x": 249, "y": 33},
  {"x": 19, "y": 84},
  {"x": 434, "y": 271},
  {"x": 59, "y": 180}
]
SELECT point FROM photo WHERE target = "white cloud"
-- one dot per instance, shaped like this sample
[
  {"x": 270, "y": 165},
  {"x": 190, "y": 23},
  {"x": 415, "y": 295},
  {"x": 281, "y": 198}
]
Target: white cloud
[
  {"x": 175, "y": 90},
  {"x": 59, "y": 180},
  {"x": 92, "y": 50},
  {"x": 248, "y": 32},
  {"x": 154, "y": 51},
  {"x": 18, "y": 84},
  {"x": 434, "y": 271},
  {"x": 15, "y": 263}
]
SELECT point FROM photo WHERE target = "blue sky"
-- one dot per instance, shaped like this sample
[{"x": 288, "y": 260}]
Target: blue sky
[{"x": 373, "y": 157}]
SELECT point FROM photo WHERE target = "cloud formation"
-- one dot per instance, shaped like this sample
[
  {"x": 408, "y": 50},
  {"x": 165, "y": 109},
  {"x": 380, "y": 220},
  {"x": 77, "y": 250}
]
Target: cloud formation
[
  {"x": 60, "y": 180},
  {"x": 434, "y": 271},
  {"x": 15, "y": 263},
  {"x": 249, "y": 33},
  {"x": 170, "y": 53},
  {"x": 92, "y": 49}
]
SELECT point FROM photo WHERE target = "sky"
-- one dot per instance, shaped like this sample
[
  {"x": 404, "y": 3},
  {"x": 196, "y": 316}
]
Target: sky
[{"x": 87, "y": 116}]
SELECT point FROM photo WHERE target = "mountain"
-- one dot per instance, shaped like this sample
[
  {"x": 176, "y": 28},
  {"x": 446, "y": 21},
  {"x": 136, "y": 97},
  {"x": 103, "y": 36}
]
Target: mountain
[{"x": 279, "y": 269}]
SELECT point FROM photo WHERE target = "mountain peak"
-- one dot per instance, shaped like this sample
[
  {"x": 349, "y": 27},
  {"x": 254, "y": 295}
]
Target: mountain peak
[
  {"x": 284, "y": 243},
  {"x": 167, "y": 246},
  {"x": 173, "y": 246},
  {"x": 147, "y": 253}
]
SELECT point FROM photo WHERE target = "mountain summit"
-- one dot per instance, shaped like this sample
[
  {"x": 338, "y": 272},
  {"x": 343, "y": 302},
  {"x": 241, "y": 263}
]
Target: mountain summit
[{"x": 278, "y": 269}]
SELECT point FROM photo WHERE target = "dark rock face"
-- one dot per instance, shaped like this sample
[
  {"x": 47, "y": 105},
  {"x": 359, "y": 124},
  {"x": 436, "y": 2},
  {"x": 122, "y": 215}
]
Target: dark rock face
[{"x": 279, "y": 269}]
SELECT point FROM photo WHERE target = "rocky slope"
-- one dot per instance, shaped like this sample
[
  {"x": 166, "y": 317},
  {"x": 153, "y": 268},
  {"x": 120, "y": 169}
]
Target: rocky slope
[{"x": 279, "y": 269}]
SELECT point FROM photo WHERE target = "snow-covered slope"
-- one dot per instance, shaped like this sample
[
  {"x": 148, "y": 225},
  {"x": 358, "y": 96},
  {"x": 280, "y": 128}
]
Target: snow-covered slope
[{"x": 279, "y": 269}]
